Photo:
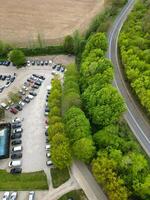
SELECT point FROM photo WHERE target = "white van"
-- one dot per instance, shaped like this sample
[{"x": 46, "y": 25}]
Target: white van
[
  {"x": 16, "y": 149},
  {"x": 15, "y": 163}
]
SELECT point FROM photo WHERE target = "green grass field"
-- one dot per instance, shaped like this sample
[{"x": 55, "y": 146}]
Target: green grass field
[
  {"x": 75, "y": 195},
  {"x": 59, "y": 176},
  {"x": 24, "y": 181}
]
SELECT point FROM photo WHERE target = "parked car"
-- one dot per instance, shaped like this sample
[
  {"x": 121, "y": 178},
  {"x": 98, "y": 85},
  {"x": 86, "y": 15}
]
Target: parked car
[
  {"x": 16, "y": 125},
  {"x": 16, "y": 142},
  {"x": 58, "y": 67},
  {"x": 5, "y": 106},
  {"x": 54, "y": 66},
  {"x": 47, "y": 141},
  {"x": 6, "y": 196},
  {"x": 46, "y": 133},
  {"x": 13, "y": 196},
  {"x": 62, "y": 69},
  {"x": 42, "y": 77},
  {"x": 16, "y": 120},
  {"x": 26, "y": 100},
  {"x": 12, "y": 79},
  {"x": 16, "y": 156},
  {"x": 31, "y": 195},
  {"x": 21, "y": 103},
  {"x": 16, "y": 136},
  {"x": 35, "y": 86},
  {"x": 28, "y": 63},
  {"x": 17, "y": 130},
  {"x": 49, "y": 163},
  {"x": 13, "y": 110},
  {"x": 17, "y": 149},
  {"x": 38, "y": 62},
  {"x": 33, "y": 62},
  {"x": 30, "y": 96},
  {"x": 42, "y": 62},
  {"x": 16, "y": 170},
  {"x": 18, "y": 107},
  {"x": 15, "y": 163},
  {"x": 47, "y": 147},
  {"x": 2, "y": 88},
  {"x": 46, "y": 62},
  {"x": 38, "y": 83},
  {"x": 33, "y": 93},
  {"x": 48, "y": 155}
]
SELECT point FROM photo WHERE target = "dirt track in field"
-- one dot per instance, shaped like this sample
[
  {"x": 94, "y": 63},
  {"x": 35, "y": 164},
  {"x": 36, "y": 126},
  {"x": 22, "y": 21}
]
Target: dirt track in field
[{"x": 22, "y": 20}]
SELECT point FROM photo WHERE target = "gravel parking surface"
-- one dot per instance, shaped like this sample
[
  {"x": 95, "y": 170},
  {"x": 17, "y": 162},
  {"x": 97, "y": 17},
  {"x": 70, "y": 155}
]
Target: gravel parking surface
[{"x": 33, "y": 136}]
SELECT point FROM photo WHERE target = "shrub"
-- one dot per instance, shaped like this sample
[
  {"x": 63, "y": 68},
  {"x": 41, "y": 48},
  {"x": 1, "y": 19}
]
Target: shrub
[
  {"x": 68, "y": 45},
  {"x": 17, "y": 57}
]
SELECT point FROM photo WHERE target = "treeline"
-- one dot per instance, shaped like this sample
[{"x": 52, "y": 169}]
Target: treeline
[
  {"x": 134, "y": 44},
  {"x": 60, "y": 149},
  {"x": 119, "y": 166},
  {"x": 77, "y": 126}
]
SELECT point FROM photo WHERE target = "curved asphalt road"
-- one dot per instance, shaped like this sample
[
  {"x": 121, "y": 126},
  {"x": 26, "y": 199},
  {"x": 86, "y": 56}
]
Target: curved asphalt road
[{"x": 135, "y": 119}]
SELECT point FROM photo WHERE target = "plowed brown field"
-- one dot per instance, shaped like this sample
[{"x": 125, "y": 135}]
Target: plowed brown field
[{"x": 21, "y": 21}]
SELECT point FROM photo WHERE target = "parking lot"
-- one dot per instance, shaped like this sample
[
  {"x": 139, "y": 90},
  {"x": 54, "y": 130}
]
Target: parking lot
[{"x": 32, "y": 115}]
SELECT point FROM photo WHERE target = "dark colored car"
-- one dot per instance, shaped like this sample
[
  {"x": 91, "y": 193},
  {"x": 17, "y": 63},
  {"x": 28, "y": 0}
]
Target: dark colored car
[
  {"x": 3, "y": 78},
  {"x": 16, "y": 136},
  {"x": 38, "y": 83},
  {"x": 33, "y": 93},
  {"x": 35, "y": 86},
  {"x": 38, "y": 62},
  {"x": 1, "y": 89},
  {"x": 16, "y": 155},
  {"x": 33, "y": 62},
  {"x": 54, "y": 66},
  {"x": 16, "y": 170},
  {"x": 18, "y": 107},
  {"x": 46, "y": 109},
  {"x": 46, "y": 62},
  {"x": 13, "y": 110},
  {"x": 35, "y": 75},
  {"x": 47, "y": 141},
  {"x": 16, "y": 125},
  {"x": 16, "y": 142},
  {"x": 58, "y": 67},
  {"x": 46, "y": 133},
  {"x": 42, "y": 77}
]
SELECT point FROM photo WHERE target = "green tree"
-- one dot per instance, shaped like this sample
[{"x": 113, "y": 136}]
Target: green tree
[
  {"x": 87, "y": 151},
  {"x": 96, "y": 41},
  {"x": 103, "y": 169},
  {"x": 68, "y": 44},
  {"x": 60, "y": 151},
  {"x": 77, "y": 125},
  {"x": 104, "y": 106},
  {"x": 55, "y": 128},
  {"x": 17, "y": 57}
]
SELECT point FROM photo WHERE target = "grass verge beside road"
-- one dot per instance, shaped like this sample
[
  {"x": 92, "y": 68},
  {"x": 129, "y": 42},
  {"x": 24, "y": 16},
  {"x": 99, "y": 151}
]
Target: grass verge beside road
[
  {"x": 59, "y": 176},
  {"x": 75, "y": 195},
  {"x": 24, "y": 181}
]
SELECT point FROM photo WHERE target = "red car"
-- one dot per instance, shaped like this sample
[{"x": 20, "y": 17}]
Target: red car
[{"x": 13, "y": 110}]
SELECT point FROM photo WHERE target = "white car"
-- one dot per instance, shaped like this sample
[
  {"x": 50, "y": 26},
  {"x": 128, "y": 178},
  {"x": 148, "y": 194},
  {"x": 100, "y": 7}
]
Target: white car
[
  {"x": 30, "y": 96},
  {"x": 16, "y": 120},
  {"x": 25, "y": 88},
  {"x": 3, "y": 105},
  {"x": 50, "y": 62},
  {"x": 48, "y": 154},
  {"x": 17, "y": 130},
  {"x": 15, "y": 163},
  {"x": 13, "y": 196},
  {"x": 49, "y": 163},
  {"x": 31, "y": 195},
  {"x": 6, "y": 196},
  {"x": 28, "y": 63},
  {"x": 48, "y": 146},
  {"x": 21, "y": 103},
  {"x": 49, "y": 87}
]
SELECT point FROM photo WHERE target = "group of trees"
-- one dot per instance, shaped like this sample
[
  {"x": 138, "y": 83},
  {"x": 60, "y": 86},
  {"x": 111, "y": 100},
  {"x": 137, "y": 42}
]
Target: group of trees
[
  {"x": 102, "y": 102},
  {"x": 77, "y": 129},
  {"x": 77, "y": 126},
  {"x": 135, "y": 51},
  {"x": 119, "y": 166},
  {"x": 60, "y": 149}
]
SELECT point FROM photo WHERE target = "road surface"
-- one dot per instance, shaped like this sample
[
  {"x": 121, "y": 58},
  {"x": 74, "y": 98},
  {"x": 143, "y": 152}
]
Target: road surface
[{"x": 135, "y": 119}]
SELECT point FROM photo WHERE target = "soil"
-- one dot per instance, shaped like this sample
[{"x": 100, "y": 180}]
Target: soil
[{"x": 23, "y": 22}]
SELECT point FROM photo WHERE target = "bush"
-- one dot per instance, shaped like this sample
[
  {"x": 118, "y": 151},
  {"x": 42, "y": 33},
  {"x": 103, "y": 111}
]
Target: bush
[
  {"x": 17, "y": 57},
  {"x": 68, "y": 45}
]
